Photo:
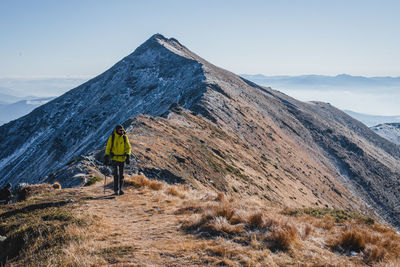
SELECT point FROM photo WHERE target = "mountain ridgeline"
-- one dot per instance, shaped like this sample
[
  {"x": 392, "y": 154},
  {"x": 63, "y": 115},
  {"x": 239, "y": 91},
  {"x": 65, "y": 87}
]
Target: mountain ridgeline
[
  {"x": 389, "y": 131},
  {"x": 208, "y": 127}
]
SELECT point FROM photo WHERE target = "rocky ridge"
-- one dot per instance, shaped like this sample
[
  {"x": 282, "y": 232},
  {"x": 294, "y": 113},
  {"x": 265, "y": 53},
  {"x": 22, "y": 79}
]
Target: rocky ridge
[
  {"x": 389, "y": 131},
  {"x": 210, "y": 128}
]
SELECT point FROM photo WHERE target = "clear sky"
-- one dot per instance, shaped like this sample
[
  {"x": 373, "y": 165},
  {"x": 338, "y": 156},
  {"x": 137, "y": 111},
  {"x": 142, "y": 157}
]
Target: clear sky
[{"x": 84, "y": 38}]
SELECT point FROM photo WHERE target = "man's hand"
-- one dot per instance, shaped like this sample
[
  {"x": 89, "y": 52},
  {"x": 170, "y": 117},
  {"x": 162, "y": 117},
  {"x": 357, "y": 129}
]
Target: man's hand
[
  {"x": 127, "y": 161},
  {"x": 106, "y": 160}
]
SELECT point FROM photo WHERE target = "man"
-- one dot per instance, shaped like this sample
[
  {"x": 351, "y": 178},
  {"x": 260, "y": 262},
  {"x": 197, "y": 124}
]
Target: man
[
  {"x": 118, "y": 150},
  {"x": 5, "y": 194}
]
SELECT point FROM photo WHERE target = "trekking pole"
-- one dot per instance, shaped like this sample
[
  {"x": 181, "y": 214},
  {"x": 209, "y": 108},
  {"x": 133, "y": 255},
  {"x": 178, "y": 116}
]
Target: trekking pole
[{"x": 105, "y": 178}]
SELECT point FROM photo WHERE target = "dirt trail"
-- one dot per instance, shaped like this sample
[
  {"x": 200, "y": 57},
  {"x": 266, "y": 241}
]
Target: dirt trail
[{"x": 139, "y": 228}]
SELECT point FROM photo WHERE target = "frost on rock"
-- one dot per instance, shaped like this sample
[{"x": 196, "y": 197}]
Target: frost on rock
[
  {"x": 389, "y": 131},
  {"x": 156, "y": 75}
]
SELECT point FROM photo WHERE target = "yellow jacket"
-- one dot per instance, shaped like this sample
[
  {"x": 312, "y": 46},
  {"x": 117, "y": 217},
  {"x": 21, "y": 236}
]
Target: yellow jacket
[{"x": 120, "y": 148}]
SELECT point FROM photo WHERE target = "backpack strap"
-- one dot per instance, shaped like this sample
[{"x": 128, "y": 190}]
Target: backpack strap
[{"x": 124, "y": 141}]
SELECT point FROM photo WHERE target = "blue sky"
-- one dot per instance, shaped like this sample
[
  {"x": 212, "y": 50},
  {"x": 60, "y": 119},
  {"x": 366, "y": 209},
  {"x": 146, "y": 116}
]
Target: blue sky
[{"x": 84, "y": 38}]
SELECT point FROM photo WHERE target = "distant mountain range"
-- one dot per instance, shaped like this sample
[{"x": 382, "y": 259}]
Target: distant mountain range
[
  {"x": 368, "y": 95},
  {"x": 372, "y": 120},
  {"x": 21, "y": 88},
  {"x": 313, "y": 87},
  {"x": 19, "y": 96},
  {"x": 339, "y": 81},
  {"x": 9, "y": 112},
  {"x": 8, "y": 99}
]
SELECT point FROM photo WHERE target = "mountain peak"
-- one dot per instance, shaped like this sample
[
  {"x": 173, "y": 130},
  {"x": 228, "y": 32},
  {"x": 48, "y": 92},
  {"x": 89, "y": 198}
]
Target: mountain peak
[
  {"x": 157, "y": 36},
  {"x": 162, "y": 39},
  {"x": 159, "y": 42}
]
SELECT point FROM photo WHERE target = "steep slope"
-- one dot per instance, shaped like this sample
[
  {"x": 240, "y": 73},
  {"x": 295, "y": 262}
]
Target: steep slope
[
  {"x": 389, "y": 131},
  {"x": 147, "y": 81},
  {"x": 219, "y": 131}
]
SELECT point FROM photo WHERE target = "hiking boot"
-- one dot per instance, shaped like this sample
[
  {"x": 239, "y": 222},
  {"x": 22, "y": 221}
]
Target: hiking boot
[
  {"x": 121, "y": 192},
  {"x": 115, "y": 193}
]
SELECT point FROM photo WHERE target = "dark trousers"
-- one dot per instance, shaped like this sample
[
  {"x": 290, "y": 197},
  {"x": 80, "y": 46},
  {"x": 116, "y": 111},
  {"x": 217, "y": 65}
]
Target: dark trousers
[{"x": 118, "y": 172}]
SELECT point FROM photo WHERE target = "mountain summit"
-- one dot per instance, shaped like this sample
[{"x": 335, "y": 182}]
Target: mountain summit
[{"x": 208, "y": 127}]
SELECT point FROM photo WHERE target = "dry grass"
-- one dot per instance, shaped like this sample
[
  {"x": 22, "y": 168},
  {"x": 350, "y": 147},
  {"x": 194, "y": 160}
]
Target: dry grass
[
  {"x": 217, "y": 231},
  {"x": 208, "y": 218},
  {"x": 327, "y": 223},
  {"x": 337, "y": 214},
  {"x": 256, "y": 220},
  {"x": 219, "y": 226},
  {"x": 347, "y": 232},
  {"x": 259, "y": 220},
  {"x": 142, "y": 181},
  {"x": 56, "y": 185},
  {"x": 374, "y": 245},
  {"x": 302, "y": 238},
  {"x": 174, "y": 191},
  {"x": 307, "y": 231},
  {"x": 223, "y": 219},
  {"x": 29, "y": 191},
  {"x": 220, "y": 197},
  {"x": 282, "y": 237},
  {"x": 189, "y": 207},
  {"x": 39, "y": 231},
  {"x": 373, "y": 253},
  {"x": 350, "y": 240}
]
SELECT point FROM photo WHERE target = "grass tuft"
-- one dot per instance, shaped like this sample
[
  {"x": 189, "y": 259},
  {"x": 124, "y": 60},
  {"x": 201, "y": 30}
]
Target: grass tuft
[
  {"x": 374, "y": 253},
  {"x": 338, "y": 215},
  {"x": 93, "y": 180},
  {"x": 220, "y": 197},
  {"x": 256, "y": 220},
  {"x": 224, "y": 220},
  {"x": 174, "y": 191},
  {"x": 350, "y": 240},
  {"x": 142, "y": 181},
  {"x": 29, "y": 191},
  {"x": 281, "y": 238},
  {"x": 56, "y": 185}
]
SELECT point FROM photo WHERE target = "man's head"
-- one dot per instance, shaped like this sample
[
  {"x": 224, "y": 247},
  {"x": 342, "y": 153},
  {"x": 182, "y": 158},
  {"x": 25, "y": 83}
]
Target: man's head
[{"x": 119, "y": 129}]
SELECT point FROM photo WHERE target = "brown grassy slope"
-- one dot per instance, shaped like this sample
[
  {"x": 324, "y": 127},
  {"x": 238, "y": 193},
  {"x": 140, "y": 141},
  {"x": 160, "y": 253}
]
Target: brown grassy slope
[
  {"x": 158, "y": 224},
  {"x": 365, "y": 163},
  {"x": 40, "y": 227},
  {"x": 195, "y": 151}
]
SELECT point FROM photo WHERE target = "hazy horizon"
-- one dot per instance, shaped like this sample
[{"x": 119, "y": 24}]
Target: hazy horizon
[{"x": 376, "y": 98}]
